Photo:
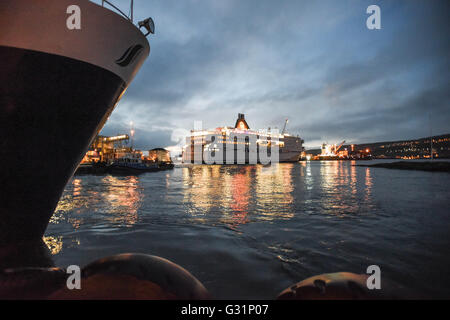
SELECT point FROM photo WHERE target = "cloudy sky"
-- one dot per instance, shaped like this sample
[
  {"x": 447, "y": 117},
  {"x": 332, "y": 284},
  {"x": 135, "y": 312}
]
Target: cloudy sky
[{"x": 314, "y": 62}]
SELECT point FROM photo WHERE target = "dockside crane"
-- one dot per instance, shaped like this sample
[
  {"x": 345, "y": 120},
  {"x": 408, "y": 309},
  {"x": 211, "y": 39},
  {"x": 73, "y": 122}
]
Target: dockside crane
[
  {"x": 285, "y": 125},
  {"x": 338, "y": 147}
]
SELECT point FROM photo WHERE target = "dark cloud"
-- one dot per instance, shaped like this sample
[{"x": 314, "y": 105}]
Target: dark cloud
[
  {"x": 410, "y": 118},
  {"x": 314, "y": 62}
]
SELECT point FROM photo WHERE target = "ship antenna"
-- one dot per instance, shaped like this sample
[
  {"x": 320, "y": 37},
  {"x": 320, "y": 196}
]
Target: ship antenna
[{"x": 131, "y": 9}]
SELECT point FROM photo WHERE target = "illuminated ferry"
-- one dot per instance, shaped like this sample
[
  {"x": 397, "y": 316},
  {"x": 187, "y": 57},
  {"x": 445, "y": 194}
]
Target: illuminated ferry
[{"x": 222, "y": 145}]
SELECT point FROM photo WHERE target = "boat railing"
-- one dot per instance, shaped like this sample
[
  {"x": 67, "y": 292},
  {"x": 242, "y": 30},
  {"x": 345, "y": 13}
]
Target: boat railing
[{"x": 126, "y": 16}]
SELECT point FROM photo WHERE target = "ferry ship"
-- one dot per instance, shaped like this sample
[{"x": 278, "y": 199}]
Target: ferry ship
[
  {"x": 202, "y": 144},
  {"x": 58, "y": 86}
]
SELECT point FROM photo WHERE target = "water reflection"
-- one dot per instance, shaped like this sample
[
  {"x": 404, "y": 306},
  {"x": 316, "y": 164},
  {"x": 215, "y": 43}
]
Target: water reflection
[
  {"x": 238, "y": 194},
  {"x": 124, "y": 198},
  {"x": 70, "y": 201},
  {"x": 108, "y": 200},
  {"x": 341, "y": 189},
  {"x": 368, "y": 183},
  {"x": 212, "y": 189},
  {"x": 251, "y": 193},
  {"x": 330, "y": 185},
  {"x": 54, "y": 244},
  {"x": 274, "y": 190},
  {"x": 303, "y": 219},
  {"x": 202, "y": 188},
  {"x": 230, "y": 195},
  {"x": 353, "y": 177},
  {"x": 240, "y": 197}
]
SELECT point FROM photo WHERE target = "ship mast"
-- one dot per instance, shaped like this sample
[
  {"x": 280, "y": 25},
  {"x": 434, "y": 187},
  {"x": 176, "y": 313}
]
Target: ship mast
[{"x": 131, "y": 10}]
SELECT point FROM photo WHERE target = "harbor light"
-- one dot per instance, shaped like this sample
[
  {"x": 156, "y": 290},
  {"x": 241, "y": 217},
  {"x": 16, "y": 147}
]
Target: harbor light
[
  {"x": 131, "y": 133},
  {"x": 131, "y": 129}
]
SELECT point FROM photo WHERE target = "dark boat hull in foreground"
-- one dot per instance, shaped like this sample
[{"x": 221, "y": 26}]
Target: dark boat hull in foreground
[
  {"x": 57, "y": 88},
  {"x": 51, "y": 107}
]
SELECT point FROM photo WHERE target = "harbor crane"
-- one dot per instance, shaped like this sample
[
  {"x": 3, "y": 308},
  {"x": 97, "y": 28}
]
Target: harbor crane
[
  {"x": 338, "y": 147},
  {"x": 329, "y": 150},
  {"x": 284, "y": 128}
]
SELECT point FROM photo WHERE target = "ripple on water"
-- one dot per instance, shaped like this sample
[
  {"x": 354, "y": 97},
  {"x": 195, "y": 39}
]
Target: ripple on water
[{"x": 251, "y": 231}]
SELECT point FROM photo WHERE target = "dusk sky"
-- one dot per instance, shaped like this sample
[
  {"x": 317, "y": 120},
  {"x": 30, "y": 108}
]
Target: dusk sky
[{"x": 314, "y": 62}]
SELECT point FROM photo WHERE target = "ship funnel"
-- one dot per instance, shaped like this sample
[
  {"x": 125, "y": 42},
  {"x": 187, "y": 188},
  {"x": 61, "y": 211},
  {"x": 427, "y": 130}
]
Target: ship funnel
[{"x": 241, "y": 123}]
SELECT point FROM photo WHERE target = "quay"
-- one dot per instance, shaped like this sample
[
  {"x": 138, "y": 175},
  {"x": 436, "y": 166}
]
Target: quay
[{"x": 440, "y": 166}]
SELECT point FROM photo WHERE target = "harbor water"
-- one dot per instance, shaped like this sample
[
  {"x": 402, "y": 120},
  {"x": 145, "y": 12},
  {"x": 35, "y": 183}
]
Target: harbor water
[{"x": 248, "y": 232}]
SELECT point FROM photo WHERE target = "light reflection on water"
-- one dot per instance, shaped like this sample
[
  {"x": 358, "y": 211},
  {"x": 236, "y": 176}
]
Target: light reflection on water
[
  {"x": 232, "y": 191},
  {"x": 260, "y": 229},
  {"x": 54, "y": 244},
  {"x": 116, "y": 199}
]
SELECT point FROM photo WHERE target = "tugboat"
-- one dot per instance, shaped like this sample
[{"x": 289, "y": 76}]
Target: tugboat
[{"x": 58, "y": 86}]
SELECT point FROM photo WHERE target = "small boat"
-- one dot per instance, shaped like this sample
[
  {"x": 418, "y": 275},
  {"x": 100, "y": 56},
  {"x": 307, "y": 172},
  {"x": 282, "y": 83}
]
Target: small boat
[
  {"x": 166, "y": 165},
  {"x": 92, "y": 168},
  {"x": 132, "y": 162}
]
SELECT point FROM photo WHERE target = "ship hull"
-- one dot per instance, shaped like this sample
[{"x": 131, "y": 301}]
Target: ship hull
[
  {"x": 196, "y": 151},
  {"x": 51, "y": 107},
  {"x": 58, "y": 86},
  {"x": 289, "y": 156},
  {"x": 284, "y": 156}
]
